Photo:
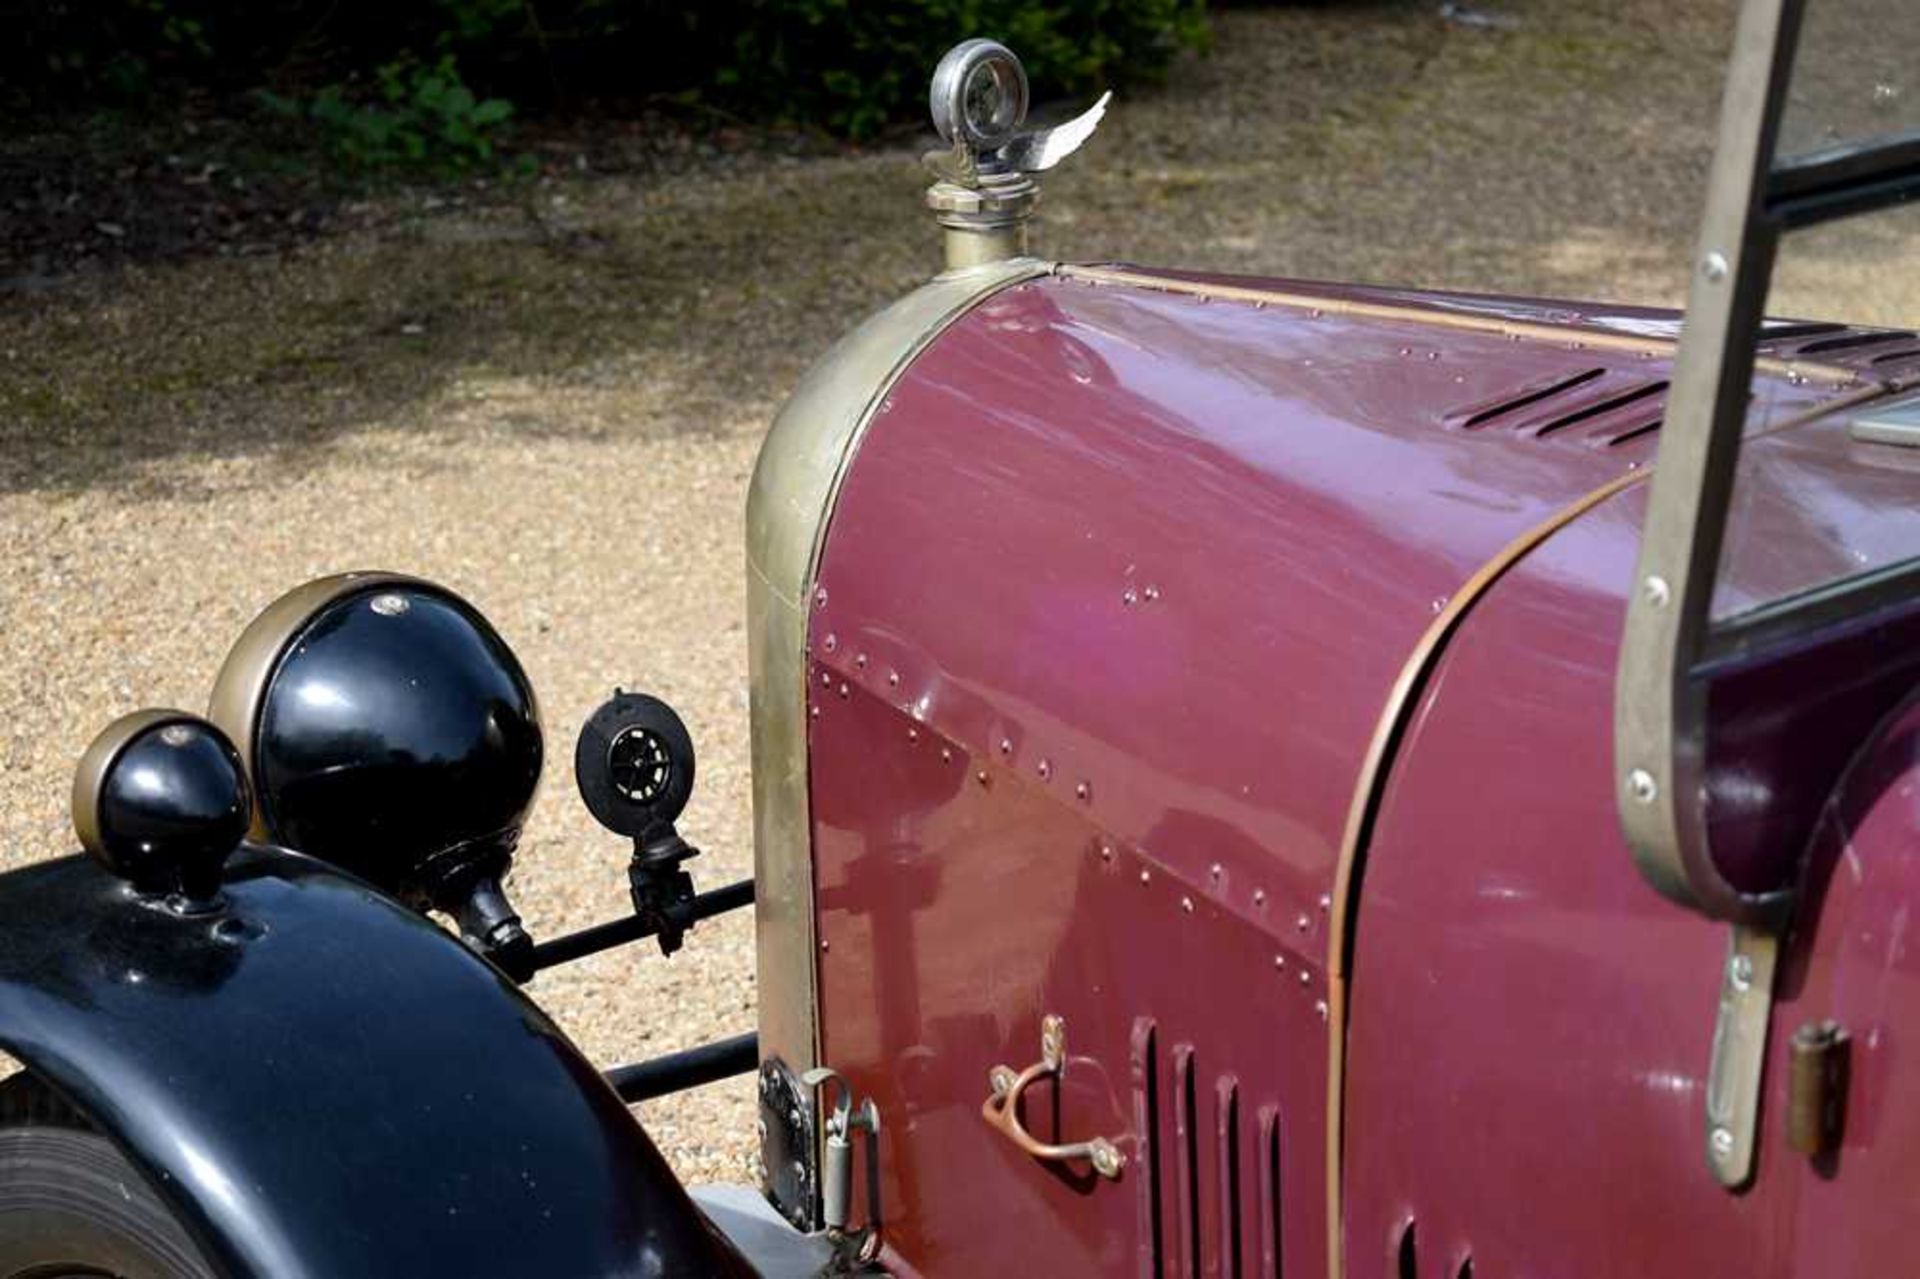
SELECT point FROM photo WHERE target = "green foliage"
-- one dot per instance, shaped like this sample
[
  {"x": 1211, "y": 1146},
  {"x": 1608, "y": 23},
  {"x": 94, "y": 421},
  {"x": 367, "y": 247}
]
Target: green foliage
[
  {"x": 469, "y": 21},
  {"x": 428, "y": 82},
  {"x": 420, "y": 115},
  {"x": 855, "y": 67}
]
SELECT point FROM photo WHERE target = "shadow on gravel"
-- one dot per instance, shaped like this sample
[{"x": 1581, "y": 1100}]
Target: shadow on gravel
[
  {"x": 1560, "y": 152},
  {"x": 665, "y": 308}
]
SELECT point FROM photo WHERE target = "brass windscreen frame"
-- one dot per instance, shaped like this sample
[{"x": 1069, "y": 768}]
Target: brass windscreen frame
[
  {"x": 1659, "y": 700},
  {"x": 1671, "y": 636},
  {"x": 1672, "y": 642}
]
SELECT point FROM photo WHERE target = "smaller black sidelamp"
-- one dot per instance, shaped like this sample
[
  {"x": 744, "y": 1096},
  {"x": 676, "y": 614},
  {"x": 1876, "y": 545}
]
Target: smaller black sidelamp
[{"x": 161, "y": 800}]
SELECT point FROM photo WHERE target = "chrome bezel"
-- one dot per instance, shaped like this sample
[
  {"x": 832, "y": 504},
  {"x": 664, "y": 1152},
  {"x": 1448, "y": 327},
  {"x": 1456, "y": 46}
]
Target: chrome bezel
[{"x": 952, "y": 85}]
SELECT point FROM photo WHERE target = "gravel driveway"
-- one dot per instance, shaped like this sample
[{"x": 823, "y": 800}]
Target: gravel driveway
[{"x": 551, "y": 400}]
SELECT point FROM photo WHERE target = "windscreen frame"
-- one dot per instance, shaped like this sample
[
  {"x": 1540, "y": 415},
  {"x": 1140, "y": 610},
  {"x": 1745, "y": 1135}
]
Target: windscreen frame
[{"x": 1672, "y": 643}]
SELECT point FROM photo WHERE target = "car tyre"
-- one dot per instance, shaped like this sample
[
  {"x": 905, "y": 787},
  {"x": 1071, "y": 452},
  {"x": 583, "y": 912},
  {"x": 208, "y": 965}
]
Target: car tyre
[{"x": 72, "y": 1205}]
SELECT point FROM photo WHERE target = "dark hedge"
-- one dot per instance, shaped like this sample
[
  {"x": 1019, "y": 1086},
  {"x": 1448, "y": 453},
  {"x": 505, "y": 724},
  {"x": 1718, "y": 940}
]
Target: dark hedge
[{"x": 853, "y": 67}]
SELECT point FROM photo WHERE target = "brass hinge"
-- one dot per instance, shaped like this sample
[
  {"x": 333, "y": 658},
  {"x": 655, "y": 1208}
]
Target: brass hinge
[{"x": 1738, "y": 1066}]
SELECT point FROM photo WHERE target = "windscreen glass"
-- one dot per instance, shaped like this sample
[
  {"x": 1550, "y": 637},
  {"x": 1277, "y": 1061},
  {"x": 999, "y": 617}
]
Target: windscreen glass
[
  {"x": 1855, "y": 78},
  {"x": 1828, "y": 483},
  {"x": 1827, "y": 492}
]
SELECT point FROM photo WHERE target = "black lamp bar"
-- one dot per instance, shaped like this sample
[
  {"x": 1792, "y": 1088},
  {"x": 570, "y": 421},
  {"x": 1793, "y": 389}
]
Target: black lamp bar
[
  {"x": 591, "y": 941},
  {"x": 722, "y": 1059}
]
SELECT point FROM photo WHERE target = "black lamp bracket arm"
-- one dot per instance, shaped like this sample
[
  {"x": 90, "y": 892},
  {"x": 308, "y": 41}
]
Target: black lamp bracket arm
[{"x": 634, "y": 765}]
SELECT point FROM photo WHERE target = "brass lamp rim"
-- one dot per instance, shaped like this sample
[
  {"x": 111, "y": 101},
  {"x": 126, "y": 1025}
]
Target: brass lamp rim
[
  {"x": 97, "y": 760},
  {"x": 240, "y": 687}
]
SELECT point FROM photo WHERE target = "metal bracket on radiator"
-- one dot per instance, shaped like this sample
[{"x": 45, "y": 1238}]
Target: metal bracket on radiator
[
  {"x": 1737, "y": 1069},
  {"x": 858, "y": 1248}
]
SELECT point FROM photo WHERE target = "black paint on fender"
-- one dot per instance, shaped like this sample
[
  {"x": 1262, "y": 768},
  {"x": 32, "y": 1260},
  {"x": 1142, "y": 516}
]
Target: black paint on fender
[{"x": 322, "y": 1083}]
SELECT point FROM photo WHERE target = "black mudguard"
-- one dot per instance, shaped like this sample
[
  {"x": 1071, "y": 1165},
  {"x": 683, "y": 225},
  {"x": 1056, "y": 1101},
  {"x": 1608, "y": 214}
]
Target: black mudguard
[{"x": 321, "y": 1083}]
